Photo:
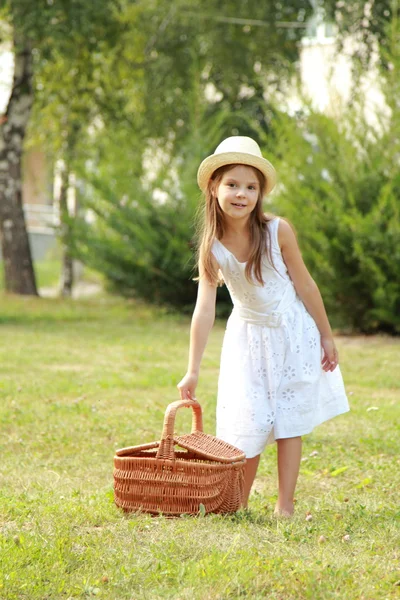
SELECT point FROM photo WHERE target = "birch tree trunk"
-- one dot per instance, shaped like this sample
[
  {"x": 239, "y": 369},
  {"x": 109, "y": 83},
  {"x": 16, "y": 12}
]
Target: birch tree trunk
[
  {"x": 67, "y": 272},
  {"x": 19, "y": 275}
]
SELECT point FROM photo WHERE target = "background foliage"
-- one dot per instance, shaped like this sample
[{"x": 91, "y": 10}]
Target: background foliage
[
  {"x": 340, "y": 189},
  {"x": 131, "y": 99},
  {"x": 218, "y": 78},
  {"x": 340, "y": 180},
  {"x": 339, "y": 186}
]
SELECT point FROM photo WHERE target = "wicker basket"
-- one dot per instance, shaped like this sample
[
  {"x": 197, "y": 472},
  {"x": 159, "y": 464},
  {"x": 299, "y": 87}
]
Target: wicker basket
[{"x": 156, "y": 478}]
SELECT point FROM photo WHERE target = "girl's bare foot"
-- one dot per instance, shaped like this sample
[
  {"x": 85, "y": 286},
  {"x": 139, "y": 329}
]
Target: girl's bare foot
[{"x": 286, "y": 511}]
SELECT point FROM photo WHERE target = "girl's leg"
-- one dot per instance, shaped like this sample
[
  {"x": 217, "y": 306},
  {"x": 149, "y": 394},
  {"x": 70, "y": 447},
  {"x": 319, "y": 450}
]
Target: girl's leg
[
  {"x": 250, "y": 471},
  {"x": 289, "y": 455}
]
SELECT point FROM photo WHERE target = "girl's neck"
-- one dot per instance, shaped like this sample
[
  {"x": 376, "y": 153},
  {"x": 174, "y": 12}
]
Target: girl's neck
[{"x": 236, "y": 229}]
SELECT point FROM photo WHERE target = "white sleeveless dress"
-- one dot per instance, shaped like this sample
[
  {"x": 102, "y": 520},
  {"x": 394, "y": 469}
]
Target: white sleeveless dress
[{"x": 271, "y": 382}]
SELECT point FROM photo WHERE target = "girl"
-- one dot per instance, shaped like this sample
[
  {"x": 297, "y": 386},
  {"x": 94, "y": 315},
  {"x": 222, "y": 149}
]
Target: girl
[{"x": 279, "y": 374}]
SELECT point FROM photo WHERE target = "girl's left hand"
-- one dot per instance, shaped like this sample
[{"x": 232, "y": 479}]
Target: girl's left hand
[{"x": 330, "y": 358}]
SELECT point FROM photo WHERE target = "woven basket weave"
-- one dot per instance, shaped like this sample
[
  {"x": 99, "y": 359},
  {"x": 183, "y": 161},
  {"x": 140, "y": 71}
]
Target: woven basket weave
[{"x": 156, "y": 478}]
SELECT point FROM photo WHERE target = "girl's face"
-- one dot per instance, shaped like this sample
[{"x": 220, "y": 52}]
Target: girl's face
[{"x": 237, "y": 192}]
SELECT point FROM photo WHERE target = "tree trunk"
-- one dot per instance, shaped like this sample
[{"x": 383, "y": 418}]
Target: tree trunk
[
  {"x": 67, "y": 268},
  {"x": 19, "y": 275}
]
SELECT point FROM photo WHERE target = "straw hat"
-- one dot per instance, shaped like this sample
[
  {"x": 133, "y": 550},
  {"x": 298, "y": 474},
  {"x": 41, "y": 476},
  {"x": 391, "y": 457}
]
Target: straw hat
[{"x": 240, "y": 150}]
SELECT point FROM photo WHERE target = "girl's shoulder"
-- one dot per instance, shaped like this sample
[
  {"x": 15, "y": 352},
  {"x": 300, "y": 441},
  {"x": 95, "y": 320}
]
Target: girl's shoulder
[{"x": 279, "y": 228}]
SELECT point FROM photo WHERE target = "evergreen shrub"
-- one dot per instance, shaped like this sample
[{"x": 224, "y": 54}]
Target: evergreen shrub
[
  {"x": 340, "y": 187},
  {"x": 142, "y": 234}
]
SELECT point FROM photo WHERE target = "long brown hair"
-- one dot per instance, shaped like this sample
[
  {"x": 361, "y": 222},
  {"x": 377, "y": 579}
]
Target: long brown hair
[{"x": 211, "y": 226}]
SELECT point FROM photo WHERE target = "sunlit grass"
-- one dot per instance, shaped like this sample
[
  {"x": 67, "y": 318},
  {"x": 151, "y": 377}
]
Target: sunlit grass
[{"x": 80, "y": 378}]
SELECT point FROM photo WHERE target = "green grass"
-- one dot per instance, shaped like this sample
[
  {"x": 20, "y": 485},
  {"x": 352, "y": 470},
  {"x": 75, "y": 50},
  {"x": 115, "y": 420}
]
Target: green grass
[{"x": 79, "y": 379}]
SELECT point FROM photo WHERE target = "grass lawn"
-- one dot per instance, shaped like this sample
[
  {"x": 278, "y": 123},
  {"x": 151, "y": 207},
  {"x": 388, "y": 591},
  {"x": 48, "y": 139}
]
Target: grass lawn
[{"x": 79, "y": 379}]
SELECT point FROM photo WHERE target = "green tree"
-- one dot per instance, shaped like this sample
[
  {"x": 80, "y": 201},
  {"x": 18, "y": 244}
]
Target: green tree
[
  {"x": 238, "y": 52},
  {"x": 241, "y": 55},
  {"x": 74, "y": 95},
  {"x": 368, "y": 23},
  {"x": 37, "y": 34}
]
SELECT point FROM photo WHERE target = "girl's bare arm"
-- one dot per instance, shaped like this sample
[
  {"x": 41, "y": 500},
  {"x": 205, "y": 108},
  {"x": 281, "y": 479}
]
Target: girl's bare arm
[
  {"x": 308, "y": 291},
  {"x": 202, "y": 322}
]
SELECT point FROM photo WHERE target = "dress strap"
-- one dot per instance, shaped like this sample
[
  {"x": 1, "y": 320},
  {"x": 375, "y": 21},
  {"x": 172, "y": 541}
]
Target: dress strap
[
  {"x": 273, "y": 229},
  {"x": 218, "y": 251}
]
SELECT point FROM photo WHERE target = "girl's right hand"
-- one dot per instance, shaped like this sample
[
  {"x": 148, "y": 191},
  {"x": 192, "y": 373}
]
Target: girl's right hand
[
  {"x": 187, "y": 387},
  {"x": 330, "y": 357}
]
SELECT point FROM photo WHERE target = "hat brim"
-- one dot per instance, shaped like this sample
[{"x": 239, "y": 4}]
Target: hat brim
[{"x": 213, "y": 162}]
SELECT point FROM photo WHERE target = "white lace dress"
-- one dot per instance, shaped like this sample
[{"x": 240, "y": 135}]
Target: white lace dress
[{"x": 271, "y": 382}]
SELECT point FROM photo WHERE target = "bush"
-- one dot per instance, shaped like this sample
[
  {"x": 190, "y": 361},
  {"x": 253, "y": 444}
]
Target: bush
[
  {"x": 340, "y": 187},
  {"x": 142, "y": 235},
  {"x": 143, "y": 248}
]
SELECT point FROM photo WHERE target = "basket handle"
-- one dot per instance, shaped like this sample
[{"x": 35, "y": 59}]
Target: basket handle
[{"x": 166, "y": 449}]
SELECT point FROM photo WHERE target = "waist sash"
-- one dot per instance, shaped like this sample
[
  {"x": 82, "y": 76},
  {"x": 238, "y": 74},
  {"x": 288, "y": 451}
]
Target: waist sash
[{"x": 275, "y": 318}]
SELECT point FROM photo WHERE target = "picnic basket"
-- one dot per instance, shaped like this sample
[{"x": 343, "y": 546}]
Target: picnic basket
[{"x": 159, "y": 478}]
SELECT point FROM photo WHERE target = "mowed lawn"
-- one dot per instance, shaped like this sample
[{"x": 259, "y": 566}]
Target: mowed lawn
[{"x": 80, "y": 379}]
